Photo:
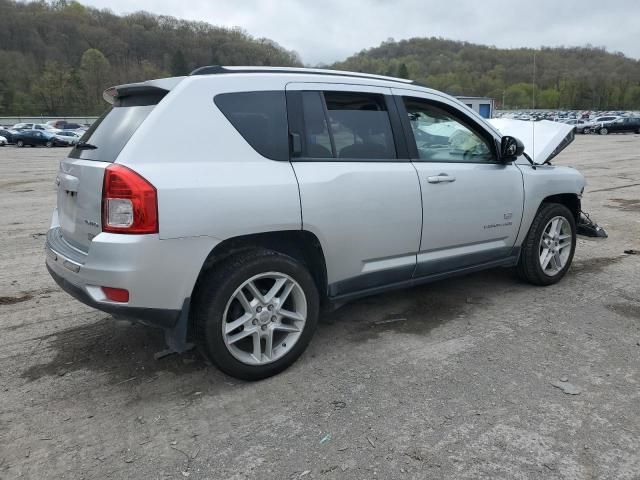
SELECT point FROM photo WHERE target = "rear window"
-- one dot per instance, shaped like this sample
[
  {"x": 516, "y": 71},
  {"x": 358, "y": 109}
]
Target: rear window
[
  {"x": 261, "y": 119},
  {"x": 111, "y": 132}
]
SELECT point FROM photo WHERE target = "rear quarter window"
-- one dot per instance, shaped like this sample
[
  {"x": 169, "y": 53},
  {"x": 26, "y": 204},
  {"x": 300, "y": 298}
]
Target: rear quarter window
[
  {"x": 111, "y": 132},
  {"x": 261, "y": 119}
]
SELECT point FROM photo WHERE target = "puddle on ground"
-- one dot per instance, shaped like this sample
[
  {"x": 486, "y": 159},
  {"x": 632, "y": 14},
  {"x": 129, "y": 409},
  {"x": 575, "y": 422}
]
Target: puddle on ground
[
  {"x": 627, "y": 205},
  {"x": 25, "y": 296},
  {"x": 414, "y": 311},
  {"x": 113, "y": 347},
  {"x": 15, "y": 299},
  {"x": 593, "y": 265},
  {"x": 628, "y": 310}
]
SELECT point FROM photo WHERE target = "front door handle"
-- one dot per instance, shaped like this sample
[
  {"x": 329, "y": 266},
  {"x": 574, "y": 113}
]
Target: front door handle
[{"x": 442, "y": 178}]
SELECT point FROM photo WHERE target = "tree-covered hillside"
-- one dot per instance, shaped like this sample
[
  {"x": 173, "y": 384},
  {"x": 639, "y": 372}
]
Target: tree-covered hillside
[
  {"x": 57, "y": 57},
  {"x": 581, "y": 78}
]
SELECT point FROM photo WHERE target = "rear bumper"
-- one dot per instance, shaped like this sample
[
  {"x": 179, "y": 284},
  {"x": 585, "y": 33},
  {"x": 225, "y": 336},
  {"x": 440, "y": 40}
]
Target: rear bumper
[
  {"x": 158, "y": 274},
  {"x": 152, "y": 316}
]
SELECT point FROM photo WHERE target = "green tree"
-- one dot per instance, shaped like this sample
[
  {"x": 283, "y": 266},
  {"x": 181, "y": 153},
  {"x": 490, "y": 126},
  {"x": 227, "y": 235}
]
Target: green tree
[
  {"x": 548, "y": 98},
  {"x": 179, "y": 64},
  {"x": 518, "y": 95},
  {"x": 94, "y": 71},
  {"x": 403, "y": 71},
  {"x": 51, "y": 88}
]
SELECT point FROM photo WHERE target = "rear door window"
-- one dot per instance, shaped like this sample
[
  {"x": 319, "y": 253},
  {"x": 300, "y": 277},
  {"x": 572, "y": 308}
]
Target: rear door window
[
  {"x": 261, "y": 119},
  {"x": 360, "y": 125},
  {"x": 346, "y": 126}
]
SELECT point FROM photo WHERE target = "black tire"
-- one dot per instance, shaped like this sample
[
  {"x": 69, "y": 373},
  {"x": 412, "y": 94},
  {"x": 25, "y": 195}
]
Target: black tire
[
  {"x": 603, "y": 131},
  {"x": 20, "y": 143},
  {"x": 49, "y": 144},
  {"x": 216, "y": 289},
  {"x": 529, "y": 268}
]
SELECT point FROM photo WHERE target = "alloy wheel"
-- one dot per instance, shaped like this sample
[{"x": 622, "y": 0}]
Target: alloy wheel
[
  {"x": 264, "y": 318},
  {"x": 555, "y": 245}
]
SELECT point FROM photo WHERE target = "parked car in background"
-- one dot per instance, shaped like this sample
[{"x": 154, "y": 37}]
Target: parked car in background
[
  {"x": 59, "y": 124},
  {"x": 3, "y": 141},
  {"x": 605, "y": 118},
  {"x": 34, "y": 126},
  {"x": 579, "y": 124},
  {"x": 23, "y": 126},
  {"x": 45, "y": 127},
  {"x": 9, "y": 135},
  {"x": 597, "y": 121},
  {"x": 620, "y": 125},
  {"x": 39, "y": 137},
  {"x": 72, "y": 136},
  {"x": 71, "y": 126}
]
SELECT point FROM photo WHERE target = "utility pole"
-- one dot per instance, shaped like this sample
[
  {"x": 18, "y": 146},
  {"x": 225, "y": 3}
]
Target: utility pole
[{"x": 533, "y": 85}]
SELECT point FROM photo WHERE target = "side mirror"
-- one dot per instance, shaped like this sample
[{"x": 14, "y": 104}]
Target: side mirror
[{"x": 510, "y": 148}]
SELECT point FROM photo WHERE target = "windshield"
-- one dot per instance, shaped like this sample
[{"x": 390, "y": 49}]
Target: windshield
[{"x": 110, "y": 133}]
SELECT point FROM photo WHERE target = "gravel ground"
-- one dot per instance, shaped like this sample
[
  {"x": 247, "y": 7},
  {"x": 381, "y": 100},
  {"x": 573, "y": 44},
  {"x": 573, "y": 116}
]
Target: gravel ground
[{"x": 458, "y": 379}]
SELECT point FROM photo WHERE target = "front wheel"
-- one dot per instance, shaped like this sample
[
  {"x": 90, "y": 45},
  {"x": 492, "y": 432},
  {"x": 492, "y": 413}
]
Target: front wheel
[
  {"x": 20, "y": 143},
  {"x": 603, "y": 131},
  {"x": 49, "y": 144},
  {"x": 255, "y": 314},
  {"x": 548, "y": 249}
]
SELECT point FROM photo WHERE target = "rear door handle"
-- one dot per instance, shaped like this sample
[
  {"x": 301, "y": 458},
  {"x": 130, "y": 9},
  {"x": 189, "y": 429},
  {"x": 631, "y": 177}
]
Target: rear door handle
[{"x": 442, "y": 178}]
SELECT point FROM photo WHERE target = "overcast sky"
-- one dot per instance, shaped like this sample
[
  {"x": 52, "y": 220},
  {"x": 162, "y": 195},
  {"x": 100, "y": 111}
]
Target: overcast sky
[{"x": 323, "y": 31}]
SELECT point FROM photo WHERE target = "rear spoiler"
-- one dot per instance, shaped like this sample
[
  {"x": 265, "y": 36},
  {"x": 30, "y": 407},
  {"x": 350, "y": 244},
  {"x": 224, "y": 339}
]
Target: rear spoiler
[{"x": 142, "y": 93}]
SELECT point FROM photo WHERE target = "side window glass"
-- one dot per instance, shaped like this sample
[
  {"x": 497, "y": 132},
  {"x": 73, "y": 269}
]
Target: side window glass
[
  {"x": 317, "y": 142},
  {"x": 441, "y": 137},
  {"x": 360, "y": 126},
  {"x": 261, "y": 119}
]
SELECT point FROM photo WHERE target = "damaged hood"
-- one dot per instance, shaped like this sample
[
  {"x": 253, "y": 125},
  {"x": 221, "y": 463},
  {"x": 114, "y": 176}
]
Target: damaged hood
[{"x": 542, "y": 140}]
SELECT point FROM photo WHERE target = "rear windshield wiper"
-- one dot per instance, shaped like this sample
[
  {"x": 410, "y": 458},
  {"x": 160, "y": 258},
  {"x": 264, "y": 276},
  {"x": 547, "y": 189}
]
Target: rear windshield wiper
[{"x": 85, "y": 146}]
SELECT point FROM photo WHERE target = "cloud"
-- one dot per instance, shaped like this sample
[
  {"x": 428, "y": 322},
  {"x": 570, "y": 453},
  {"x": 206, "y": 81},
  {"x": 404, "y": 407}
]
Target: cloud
[{"x": 330, "y": 30}]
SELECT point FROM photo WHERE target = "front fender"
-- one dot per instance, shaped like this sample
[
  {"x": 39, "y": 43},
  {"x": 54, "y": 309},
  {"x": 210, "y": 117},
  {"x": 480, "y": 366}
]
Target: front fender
[{"x": 542, "y": 182}]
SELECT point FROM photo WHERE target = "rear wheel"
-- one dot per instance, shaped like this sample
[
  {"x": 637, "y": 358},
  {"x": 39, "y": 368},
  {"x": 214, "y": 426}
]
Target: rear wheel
[
  {"x": 255, "y": 314},
  {"x": 604, "y": 131},
  {"x": 20, "y": 143},
  {"x": 548, "y": 249},
  {"x": 49, "y": 144}
]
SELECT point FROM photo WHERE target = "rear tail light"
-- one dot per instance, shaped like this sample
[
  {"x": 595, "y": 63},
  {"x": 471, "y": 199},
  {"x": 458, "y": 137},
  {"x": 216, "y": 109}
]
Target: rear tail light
[
  {"x": 129, "y": 202},
  {"x": 116, "y": 294}
]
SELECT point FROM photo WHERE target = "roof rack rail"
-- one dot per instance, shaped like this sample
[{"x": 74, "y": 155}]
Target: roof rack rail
[{"x": 217, "y": 69}]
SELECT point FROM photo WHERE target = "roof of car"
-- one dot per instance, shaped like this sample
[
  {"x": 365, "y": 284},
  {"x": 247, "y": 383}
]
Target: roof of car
[
  {"x": 162, "y": 85},
  {"x": 219, "y": 69}
]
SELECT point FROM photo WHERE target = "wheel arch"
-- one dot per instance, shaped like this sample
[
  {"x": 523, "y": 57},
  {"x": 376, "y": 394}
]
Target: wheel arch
[
  {"x": 569, "y": 200},
  {"x": 301, "y": 245}
]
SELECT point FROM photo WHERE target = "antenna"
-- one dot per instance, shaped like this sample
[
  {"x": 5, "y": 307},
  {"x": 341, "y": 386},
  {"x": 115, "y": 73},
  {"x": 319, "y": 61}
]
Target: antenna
[{"x": 533, "y": 106}]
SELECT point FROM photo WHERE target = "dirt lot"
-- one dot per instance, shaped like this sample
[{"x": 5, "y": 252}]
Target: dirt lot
[{"x": 462, "y": 388}]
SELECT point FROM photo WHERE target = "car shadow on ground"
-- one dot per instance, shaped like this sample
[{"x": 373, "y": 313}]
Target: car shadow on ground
[{"x": 124, "y": 352}]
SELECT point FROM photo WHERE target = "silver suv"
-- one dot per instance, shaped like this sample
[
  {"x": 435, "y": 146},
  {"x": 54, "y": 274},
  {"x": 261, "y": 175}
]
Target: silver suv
[{"x": 229, "y": 206}]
